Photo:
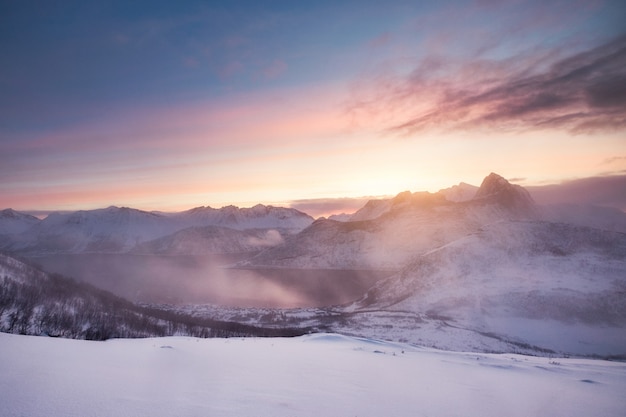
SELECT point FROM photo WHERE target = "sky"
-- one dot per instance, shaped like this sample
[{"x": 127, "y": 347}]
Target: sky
[{"x": 162, "y": 105}]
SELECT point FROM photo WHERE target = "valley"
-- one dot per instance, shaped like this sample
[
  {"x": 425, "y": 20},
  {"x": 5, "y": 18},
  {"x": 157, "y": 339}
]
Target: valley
[{"x": 212, "y": 279}]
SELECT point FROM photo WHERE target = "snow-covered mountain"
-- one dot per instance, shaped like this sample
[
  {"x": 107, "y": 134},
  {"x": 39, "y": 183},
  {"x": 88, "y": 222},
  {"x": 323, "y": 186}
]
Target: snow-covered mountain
[
  {"x": 257, "y": 217},
  {"x": 399, "y": 229},
  {"x": 113, "y": 229},
  {"x": 460, "y": 192},
  {"x": 211, "y": 240},
  {"x": 497, "y": 190},
  {"x": 341, "y": 217},
  {"x": 373, "y": 209},
  {"x": 496, "y": 272},
  {"x": 491, "y": 273},
  {"x": 552, "y": 286},
  {"x": 119, "y": 230},
  {"x": 13, "y": 222}
]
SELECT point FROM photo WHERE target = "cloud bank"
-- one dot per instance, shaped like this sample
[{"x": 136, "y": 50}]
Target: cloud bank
[{"x": 608, "y": 191}]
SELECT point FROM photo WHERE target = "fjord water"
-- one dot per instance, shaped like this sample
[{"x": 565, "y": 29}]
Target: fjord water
[{"x": 211, "y": 279}]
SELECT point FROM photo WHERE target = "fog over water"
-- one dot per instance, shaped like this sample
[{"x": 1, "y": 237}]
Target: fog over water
[{"x": 209, "y": 279}]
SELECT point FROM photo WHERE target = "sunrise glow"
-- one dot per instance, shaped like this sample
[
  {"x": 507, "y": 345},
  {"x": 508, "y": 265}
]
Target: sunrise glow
[{"x": 164, "y": 106}]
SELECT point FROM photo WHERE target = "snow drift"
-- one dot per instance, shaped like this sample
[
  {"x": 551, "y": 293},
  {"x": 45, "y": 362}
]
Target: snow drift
[{"x": 317, "y": 375}]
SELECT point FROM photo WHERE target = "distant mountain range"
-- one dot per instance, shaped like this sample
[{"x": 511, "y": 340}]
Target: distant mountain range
[
  {"x": 389, "y": 233},
  {"x": 122, "y": 229},
  {"x": 119, "y": 230},
  {"x": 489, "y": 271},
  {"x": 469, "y": 268}
]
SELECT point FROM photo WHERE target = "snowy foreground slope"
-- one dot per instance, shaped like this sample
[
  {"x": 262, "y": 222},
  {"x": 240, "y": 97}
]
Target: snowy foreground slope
[{"x": 316, "y": 375}]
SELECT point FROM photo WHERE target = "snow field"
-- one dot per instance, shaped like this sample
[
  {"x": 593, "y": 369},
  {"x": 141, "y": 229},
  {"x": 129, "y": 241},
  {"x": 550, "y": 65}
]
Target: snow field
[{"x": 314, "y": 375}]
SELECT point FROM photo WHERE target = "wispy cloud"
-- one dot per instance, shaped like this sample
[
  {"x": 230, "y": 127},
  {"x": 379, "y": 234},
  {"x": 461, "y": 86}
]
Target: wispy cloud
[
  {"x": 579, "y": 93},
  {"x": 613, "y": 160}
]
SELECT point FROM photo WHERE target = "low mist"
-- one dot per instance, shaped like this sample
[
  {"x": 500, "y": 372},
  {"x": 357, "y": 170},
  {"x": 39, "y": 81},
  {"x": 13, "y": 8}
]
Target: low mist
[{"x": 209, "y": 279}]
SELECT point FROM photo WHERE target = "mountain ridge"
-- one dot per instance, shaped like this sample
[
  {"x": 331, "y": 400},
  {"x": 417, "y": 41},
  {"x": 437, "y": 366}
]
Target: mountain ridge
[{"x": 120, "y": 229}]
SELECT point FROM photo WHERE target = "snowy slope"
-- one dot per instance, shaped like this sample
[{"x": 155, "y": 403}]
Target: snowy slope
[
  {"x": 553, "y": 286},
  {"x": 372, "y": 209},
  {"x": 211, "y": 240},
  {"x": 35, "y": 302},
  {"x": 318, "y": 375}
]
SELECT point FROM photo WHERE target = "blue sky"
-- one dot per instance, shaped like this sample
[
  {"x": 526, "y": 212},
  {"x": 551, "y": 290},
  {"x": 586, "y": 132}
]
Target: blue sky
[{"x": 168, "y": 105}]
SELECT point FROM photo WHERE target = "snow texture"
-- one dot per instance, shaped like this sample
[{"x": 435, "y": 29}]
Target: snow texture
[{"x": 317, "y": 375}]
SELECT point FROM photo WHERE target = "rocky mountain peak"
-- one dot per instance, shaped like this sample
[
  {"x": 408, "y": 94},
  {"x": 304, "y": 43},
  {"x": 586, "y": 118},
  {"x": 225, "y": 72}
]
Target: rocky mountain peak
[{"x": 497, "y": 189}]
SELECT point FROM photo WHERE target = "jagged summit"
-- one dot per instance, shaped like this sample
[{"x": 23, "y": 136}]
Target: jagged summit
[
  {"x": 495, "y": 188},
  {"x": 259, "y": 216},
  {"x": 492, "y": 184},
  {"x": 459, "y": 193}
]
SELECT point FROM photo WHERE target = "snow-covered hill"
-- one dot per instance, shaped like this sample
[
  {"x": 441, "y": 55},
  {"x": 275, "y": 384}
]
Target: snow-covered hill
[{"x": 316, "y": 375}]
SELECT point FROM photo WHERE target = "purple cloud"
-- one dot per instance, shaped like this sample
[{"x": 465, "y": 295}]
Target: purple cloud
[
  {"x": 580, "y": 93},
  {"x": 607, "y": 191}
]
